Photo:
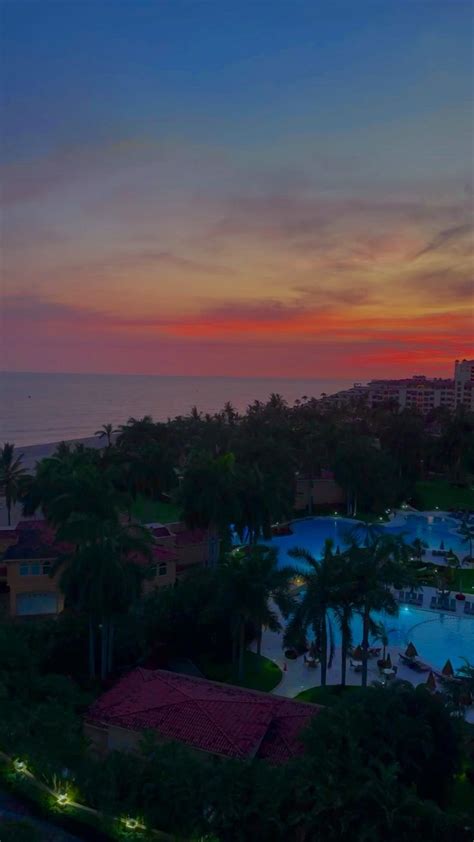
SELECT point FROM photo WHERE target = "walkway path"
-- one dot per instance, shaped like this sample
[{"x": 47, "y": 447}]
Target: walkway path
[{"x": 12, "y": 809}]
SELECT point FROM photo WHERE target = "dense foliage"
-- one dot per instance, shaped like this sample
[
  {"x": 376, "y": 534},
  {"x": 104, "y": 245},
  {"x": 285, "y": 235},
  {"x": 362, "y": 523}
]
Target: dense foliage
[{"x": 379, "y": 764}]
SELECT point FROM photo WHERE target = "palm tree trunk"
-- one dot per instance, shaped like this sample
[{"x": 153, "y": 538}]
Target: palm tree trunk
[
  {"x": 91, "y": 649},
  {"x": 8, "y": 500},
  {"x": 103, "y": 651},
  {"x": 343, "y": 657},
  {"x": 354, "y": 506},
  {"x": 365, "y": 643},
  {"x": 234, "y": 649},
  {"x": 259, "y": 639},
  {"x": 110, "y": 648},
  {"x": 241, "y": 649},
  {"x": 324, "y": 650}
]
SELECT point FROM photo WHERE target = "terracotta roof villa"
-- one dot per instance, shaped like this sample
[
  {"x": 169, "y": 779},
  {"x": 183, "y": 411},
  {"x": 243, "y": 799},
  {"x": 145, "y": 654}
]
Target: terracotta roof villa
[{"x": 205, "y": 715}]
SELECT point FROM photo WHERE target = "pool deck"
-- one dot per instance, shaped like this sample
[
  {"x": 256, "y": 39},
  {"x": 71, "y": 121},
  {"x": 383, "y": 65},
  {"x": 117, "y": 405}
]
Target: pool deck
[{"x": 297, "y": 676}]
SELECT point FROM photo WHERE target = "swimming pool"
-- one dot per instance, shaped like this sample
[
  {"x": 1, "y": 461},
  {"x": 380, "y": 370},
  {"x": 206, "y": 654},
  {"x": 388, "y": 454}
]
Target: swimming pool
[
  {"x": 311, "y": 533},
  {"x": 437, "y": 637}
]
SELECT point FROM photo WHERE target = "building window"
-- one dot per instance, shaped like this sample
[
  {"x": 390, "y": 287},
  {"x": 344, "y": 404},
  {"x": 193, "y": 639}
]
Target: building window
[
  {"x": 46, "y": 568},
  {"x": 35, "y": 569},
  {"x": 162, "y": 569},
  {"x": 24, "y": 569}
]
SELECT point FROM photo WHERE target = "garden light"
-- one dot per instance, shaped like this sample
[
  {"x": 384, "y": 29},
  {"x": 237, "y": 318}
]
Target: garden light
[
  {"x": 20, "y": 765},
  {"x": 62, "y": 798},
  {"x": 131, "y": 824}
]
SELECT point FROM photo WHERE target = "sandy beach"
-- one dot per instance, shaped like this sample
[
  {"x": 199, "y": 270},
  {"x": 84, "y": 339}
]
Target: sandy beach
[{"x": 32, "y": 453}]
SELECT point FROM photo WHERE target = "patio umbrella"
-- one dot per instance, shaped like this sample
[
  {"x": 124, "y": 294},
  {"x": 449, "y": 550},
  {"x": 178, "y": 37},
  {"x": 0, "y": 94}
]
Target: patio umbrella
[
  {"x": 448, "y": 669},
  {"x": 388, "y": 661},
  {"x": 410, "y": 651},
  {"x": 357, "y": 654},
  {"x": 431, "y": 683}
]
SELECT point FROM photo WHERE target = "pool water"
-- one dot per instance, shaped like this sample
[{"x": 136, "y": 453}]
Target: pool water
[
  {"x": 311, "y": 534},
  {"x": 437, "y": 637}
]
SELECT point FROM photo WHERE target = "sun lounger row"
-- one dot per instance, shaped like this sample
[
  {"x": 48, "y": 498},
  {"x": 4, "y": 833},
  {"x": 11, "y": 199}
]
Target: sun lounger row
[
  {"x": 410, "y": 597},
  {"x": 442, "y": 603},
  {"x": 469, "y": 608}
]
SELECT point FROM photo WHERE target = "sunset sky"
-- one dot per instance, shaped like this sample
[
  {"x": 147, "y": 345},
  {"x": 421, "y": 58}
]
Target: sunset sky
[{"x": 237, "y": 188}]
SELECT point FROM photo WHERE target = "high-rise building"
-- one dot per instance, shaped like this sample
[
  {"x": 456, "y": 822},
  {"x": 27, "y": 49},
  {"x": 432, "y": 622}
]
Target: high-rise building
[
  {"x": 464, "y": 383},
  {"x": 419, "y": 392}
]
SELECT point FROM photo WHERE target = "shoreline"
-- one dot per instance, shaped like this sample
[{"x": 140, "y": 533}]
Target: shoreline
[{"x": 32, "y": 453}]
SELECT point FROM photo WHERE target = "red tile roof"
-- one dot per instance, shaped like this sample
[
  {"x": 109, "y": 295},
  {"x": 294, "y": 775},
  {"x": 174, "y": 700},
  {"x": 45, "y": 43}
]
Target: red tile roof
[{"x": 216, "y": 718}]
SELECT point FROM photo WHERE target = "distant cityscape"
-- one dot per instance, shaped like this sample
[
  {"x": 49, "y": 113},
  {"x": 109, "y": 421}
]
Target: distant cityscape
[{"x": 418, "y": 392}]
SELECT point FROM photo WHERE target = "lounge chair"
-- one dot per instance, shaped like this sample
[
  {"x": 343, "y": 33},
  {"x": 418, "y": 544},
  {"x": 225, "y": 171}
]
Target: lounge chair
[
  {"x": 356, "y": 666},
  {"x": 419, "y": 666},
  {"x": 467, "y": 608},
  {"x": 420, "y": 599}
]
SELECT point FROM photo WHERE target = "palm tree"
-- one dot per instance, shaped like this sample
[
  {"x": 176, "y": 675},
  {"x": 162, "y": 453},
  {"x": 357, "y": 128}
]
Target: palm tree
[
  {"x": 320, "y": 594},
  {"x": 106, "y": 431},
  {"x": 347, "y": 602},
  {"x": 241, "y": 605},
  {"x": 268, "y": 582},
  {"x": 382, "y": 633},
  {"x": 378, "y": 565},
  {"x": 101, "y": 576},
  {"x": 467, "y": 531},
  {"x": 11, "y": 476},
  {"x": 208, "y": 495},
  {"x": 418, "y": 546}
]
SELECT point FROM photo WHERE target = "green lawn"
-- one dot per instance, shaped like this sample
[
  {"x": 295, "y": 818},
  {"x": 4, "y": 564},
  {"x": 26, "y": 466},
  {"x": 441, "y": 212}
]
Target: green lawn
[
  {"x": 463, "y": 580},
  {"x": 154, "y": 511},
  {"x": 462, "y": 797},
  {"x": 259, "y": 673},
  {"x": 441, "y": 493},
  {"x": 325, "y": 695}
]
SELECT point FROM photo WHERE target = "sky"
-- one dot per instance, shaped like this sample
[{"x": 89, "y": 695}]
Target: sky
[{"x": 267, "y": 188}]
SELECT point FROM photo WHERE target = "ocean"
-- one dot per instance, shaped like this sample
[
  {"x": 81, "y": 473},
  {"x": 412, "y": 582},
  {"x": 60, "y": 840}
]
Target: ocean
[{"x": 40, "y": 408}]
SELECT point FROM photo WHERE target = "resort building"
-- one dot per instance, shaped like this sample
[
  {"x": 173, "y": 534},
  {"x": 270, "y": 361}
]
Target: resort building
[
  {"x": 206, "y": 716},
  {"x": 31, "y": 589},
  {"x": 420, "y": 393},
  {"x": 27, "y": 588},
  {"x": 417, "y": 392},
  {"x": 319, "y": 491},
  {"x": 464, "y": 383}
]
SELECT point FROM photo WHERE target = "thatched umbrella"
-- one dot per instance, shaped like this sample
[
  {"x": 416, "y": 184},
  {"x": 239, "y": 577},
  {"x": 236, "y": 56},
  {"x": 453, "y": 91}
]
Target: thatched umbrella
[
  {"x": 357, "y": 653},
  {"x": 431, "y": 683},
  {"x": 447, "y": 670},
  {"x": 410, "y": 651}
]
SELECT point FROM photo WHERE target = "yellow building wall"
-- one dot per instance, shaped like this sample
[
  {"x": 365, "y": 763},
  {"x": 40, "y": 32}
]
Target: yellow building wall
[{"x": 41, "y": 584}]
